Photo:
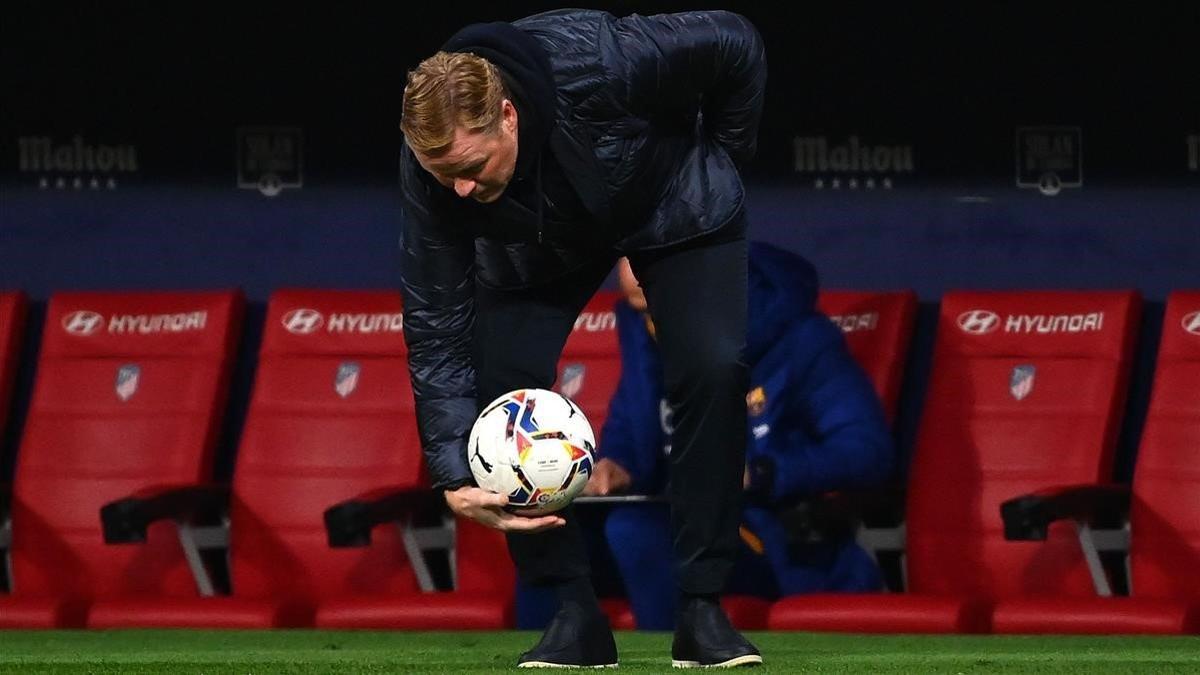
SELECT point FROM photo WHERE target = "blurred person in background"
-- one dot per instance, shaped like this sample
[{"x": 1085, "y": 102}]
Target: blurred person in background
[{"x": 815, "y": 425}]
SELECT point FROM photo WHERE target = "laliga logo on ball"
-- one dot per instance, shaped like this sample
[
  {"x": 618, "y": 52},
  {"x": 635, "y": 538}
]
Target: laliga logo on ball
[{"x": 535, "y": 446}]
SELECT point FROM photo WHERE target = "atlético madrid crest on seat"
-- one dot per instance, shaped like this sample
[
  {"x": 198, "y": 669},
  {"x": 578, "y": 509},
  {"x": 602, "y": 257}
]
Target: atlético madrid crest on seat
[
  {"x": 571, "y": 380},
  {"x": 128, "y": 377},
  {"x": 1020, "y": 383},
  {"x": 346, "y": 380}
]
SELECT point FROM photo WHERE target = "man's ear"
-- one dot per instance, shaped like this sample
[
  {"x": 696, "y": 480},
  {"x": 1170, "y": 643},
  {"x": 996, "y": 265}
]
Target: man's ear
[{"x": 508, "y": 116}]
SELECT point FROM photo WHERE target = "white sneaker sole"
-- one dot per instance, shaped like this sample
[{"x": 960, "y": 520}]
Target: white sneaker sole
[
  {"x": 549, "y": 664},
  {"x": 746, "y": 660}
]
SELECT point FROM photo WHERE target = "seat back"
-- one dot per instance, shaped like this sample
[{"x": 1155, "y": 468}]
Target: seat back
[
  {"x": 590, "y": 366},
  {"x": 1165, "y": 514},
  {"x": 12, "y": 325},
  {"x": 129, "y": 394},
  {"x": 331, "y": 418},
  {"x": 878, "y": 328},
  {"x": 1026, "y": 392}
]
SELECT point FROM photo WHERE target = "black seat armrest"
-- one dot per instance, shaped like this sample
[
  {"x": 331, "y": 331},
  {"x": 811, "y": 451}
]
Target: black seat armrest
[
  {"x": 349, "y": 523},
  {"x": 1028, "y": 517},
  {"x": 834, "y": 515},
  {"x": 620, "y": 499},
  {"x": 125, "y": 520}
]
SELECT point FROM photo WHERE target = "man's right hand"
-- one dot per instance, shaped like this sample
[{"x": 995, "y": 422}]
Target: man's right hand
[
  {"x": 487, "y": 508},
  {"x": 607, "y": 477}
]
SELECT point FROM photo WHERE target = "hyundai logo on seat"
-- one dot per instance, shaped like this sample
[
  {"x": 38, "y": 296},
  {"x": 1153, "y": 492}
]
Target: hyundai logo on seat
[
  {"x": 82, "y": 322},
  {"x": 1191, "y": 323},
  {"x": 978, "y": 321},
  {"x": 303, "y": 321}
]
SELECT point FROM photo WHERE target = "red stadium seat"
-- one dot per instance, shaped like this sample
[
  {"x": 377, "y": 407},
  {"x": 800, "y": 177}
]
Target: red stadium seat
[
  {"x": 484, "y": 581},
  {"x": 128, "y": 395},
  {"x": 1164, "y": 543},
  {"x": 12, "y": 325},
  {"x": 1026, "y": 392},
  {"x": 485, "y": 578},
  {"x": 331, "y": 419},
  {"x": 878, "y": 328}
]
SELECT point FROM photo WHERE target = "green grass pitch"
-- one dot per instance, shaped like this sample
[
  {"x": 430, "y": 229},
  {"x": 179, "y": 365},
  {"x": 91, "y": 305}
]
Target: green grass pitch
[{"x": 269, "y": 652}]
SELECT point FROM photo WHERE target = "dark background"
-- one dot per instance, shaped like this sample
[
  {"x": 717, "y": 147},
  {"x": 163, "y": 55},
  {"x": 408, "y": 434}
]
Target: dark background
[{"x": 953, "y": 79}]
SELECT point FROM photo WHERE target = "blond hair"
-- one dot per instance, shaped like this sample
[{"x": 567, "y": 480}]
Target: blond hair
[{"x": 448, "y": 90}]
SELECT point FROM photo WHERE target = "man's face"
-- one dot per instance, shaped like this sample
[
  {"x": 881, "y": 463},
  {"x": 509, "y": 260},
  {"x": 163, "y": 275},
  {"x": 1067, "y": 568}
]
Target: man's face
[{"x": 478, "y": 164}]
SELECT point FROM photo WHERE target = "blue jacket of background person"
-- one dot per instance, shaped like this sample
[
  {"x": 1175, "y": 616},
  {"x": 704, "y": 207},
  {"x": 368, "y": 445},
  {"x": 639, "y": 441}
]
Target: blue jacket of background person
[
  {"x": 813, "y": 414},
  {"x": 815, "y": 425}
]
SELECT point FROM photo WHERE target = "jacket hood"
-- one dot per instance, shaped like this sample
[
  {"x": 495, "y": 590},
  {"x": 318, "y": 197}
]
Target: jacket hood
[{"x": 783, "y": 288}]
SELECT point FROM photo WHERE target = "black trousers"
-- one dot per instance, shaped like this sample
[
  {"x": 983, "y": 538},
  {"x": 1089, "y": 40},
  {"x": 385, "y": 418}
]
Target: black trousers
[{"x": 697, "y": 297}]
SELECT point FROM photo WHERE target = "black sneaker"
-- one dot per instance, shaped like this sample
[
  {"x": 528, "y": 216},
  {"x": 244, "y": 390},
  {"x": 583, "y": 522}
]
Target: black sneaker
[
  {"x": 704, "y": 638},
  {"x": 575, "y": 638}
]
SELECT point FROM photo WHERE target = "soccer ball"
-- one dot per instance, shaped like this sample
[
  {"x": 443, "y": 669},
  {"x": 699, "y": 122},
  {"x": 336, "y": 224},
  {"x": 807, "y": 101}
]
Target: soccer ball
[{"x": 535, "y": 446}]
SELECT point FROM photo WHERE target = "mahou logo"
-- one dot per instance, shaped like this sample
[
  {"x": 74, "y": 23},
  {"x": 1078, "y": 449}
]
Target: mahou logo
[
  {"x": 978, "y": 321},
  {"x": 851, "y": 164},
  {"x": 77, "y": 164},
  {"x": 82, "y": 322},
  {"x": 303, "y": 321}
]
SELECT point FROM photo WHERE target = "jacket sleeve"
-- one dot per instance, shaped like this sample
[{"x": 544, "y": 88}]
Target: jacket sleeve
[
  {"x": 715, "y": 60},
  {"x": 437, "y": 281},
  {"x": 834, "y": 434},
  {"x": 633, "y": 434}
]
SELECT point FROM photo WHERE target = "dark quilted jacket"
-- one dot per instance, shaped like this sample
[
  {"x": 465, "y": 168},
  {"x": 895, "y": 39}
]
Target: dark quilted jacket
[{"x": 648, "y": 118}]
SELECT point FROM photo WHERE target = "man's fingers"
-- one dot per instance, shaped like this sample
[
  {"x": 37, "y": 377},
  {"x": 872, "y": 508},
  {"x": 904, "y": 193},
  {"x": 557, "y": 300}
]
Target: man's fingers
[
  {"x": 487, "y": 508},
  {"x": 523, "y": 524}
]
